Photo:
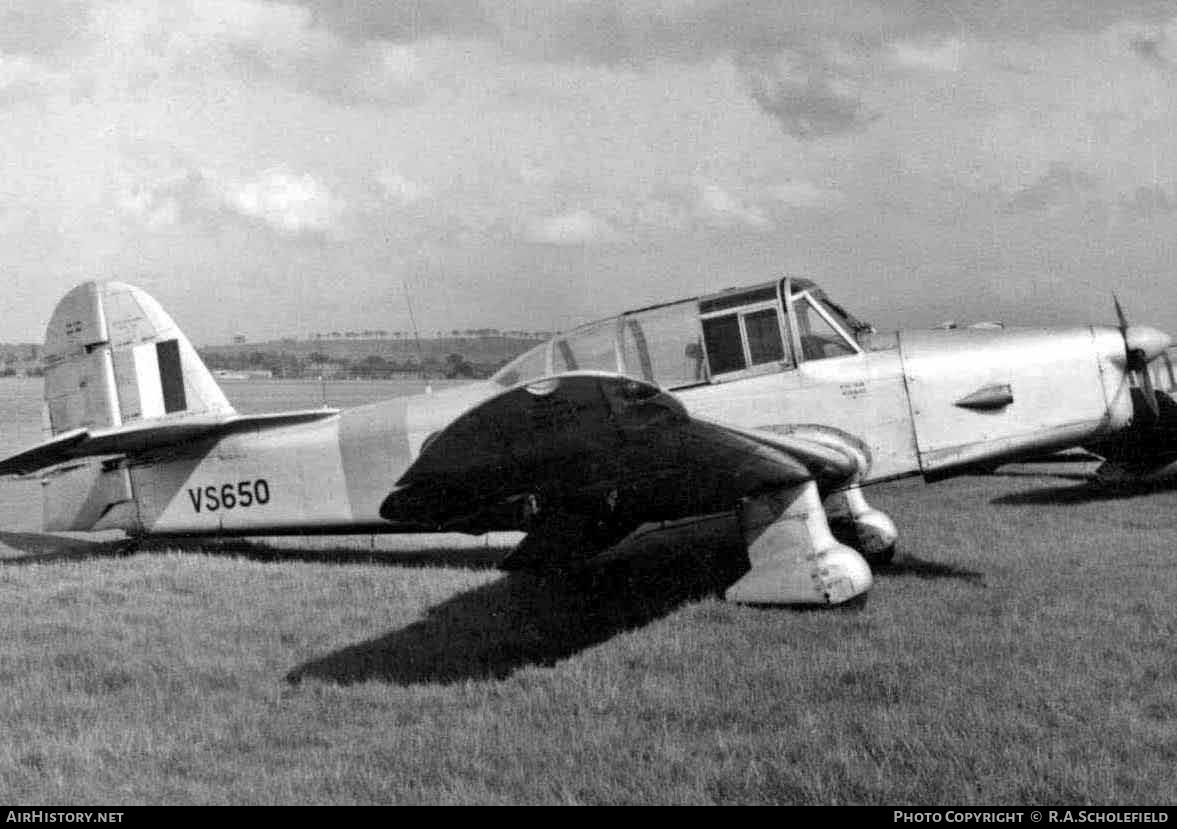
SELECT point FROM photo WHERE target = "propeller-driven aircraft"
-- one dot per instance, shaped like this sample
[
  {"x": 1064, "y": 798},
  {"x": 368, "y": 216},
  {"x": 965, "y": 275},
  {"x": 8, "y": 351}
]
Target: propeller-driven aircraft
[{"x": 770, "y": 400}]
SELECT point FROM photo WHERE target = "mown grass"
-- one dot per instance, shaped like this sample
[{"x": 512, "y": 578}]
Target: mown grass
[{"x": 1022, "y": 651}]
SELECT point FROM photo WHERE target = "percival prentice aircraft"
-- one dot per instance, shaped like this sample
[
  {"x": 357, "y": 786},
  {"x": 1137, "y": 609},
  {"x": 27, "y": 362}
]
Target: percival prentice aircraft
[{"x": 770, "y": 400}]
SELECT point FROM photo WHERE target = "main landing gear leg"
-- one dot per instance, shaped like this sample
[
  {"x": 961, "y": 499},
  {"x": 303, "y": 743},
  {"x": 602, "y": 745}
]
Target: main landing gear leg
[
  {"x": 795, "y": 559},
  {"x": 556, "y": 543},
  {"x": 870, "y": 530}
]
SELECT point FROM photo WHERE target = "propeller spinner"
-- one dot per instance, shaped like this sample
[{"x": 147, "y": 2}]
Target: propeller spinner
[{"x": 1142, "y": 345}]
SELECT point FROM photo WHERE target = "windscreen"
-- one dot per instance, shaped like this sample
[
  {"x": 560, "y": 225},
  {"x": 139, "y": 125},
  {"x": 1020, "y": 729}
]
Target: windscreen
[
  {"x": 528, "y": 366},
  {"x": 819, "y": 339},
  {"x": 592, "y": 348}
]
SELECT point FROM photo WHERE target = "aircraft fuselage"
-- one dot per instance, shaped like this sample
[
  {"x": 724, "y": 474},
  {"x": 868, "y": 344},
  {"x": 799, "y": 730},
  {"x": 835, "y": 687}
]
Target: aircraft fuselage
[
  {"x": 774, "y": 357},
  {"x": 904, "y": 400},
  {"x": 330, "y": 476}
]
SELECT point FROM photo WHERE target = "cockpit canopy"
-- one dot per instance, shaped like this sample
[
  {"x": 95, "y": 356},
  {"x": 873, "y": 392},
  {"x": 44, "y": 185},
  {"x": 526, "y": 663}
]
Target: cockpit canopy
[{"x": 735, "y": 333}]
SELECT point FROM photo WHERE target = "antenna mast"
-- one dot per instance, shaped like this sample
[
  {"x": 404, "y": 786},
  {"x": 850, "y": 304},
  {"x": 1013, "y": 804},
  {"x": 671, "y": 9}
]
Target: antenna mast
[{"x": 416, "y": 334}]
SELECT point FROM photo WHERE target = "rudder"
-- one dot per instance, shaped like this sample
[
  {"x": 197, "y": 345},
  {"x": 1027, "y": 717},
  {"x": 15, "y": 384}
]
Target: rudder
[{"x": 114, "y": 357}]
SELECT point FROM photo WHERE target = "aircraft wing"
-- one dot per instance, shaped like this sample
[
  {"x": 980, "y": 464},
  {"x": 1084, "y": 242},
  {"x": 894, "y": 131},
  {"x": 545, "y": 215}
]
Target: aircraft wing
[
  {"x": 155, "y": 434},
  {"x": 591, "y": 442}
]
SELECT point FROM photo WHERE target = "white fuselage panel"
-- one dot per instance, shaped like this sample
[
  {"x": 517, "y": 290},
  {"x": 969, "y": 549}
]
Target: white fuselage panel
[{"x": 862, "y": 394}]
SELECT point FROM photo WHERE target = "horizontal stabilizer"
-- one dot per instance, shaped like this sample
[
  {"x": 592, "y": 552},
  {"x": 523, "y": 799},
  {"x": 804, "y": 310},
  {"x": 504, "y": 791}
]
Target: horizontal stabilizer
[{"x": 143, "y": 437}]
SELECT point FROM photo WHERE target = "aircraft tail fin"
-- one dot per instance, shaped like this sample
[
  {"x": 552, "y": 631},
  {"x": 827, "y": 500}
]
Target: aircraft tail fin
[{"x": 114, "y": 357}]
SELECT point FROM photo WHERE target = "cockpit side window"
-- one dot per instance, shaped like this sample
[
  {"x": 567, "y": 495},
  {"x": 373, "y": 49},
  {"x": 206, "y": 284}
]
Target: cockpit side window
[
  {"x": 746, "y": 338},
  {"x": 764, "y": 336},
  {"x": 725, "y": 347}
]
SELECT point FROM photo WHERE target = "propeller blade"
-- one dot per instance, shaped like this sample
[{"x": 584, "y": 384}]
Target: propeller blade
[
  {"x": 1142, "y": 345},
  {"x": 1120, "y": 314},
  {"x": 1150, "y": 393}
]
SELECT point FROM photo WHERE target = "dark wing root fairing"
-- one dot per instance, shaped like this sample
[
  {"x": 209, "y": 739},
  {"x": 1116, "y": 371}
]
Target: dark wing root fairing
[{"x": 593, "y": 455}]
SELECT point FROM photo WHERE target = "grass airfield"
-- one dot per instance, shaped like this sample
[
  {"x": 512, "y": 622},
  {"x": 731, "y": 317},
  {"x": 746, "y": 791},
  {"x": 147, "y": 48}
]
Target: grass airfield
[{"x": 1022, "y": 650}]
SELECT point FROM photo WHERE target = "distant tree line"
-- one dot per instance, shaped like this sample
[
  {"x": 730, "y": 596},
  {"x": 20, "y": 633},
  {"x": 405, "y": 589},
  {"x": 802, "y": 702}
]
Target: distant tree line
[
  {"x": 456, "y": 333},
  {"x": 369, "y": 367}
]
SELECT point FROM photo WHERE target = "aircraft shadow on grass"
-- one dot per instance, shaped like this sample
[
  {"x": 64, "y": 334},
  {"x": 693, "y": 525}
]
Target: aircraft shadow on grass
[
  {"x": 1021, "y": 473},
  {"x": 513, "y": 622},
  {"x": 522, "y": 620},
  {"x": 269, "y": 552},
  {"x": 44, "y": 548},
  {"x": 47, "y": 548},
  {"x": 922, "y": 568},
  {"x": 1084, "y": 493},
  {"x": 1087, "y": 489}
]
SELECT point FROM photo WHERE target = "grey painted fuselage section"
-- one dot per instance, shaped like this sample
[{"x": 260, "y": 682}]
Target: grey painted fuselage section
[{"x": 326, "y": 476}]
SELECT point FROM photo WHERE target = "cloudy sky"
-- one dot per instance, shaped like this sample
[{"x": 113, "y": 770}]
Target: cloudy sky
[{"x": 278, "y": 168}]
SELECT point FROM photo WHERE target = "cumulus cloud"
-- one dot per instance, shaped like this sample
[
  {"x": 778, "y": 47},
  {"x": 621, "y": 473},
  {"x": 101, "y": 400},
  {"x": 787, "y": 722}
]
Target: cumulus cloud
[
  {"x": 158, "y": 188},
  {"x": 401, "y": 190},
  {"x": 402, "y": 21},
  {"x": 1155, "y": 43},
  {"x": 944, "y": 56},
  {"x": 288, "y": 202},
  {"x": 22, "y": 78},
  {"x": 638, "y": 31},
  {"x": 783, "y": 49},
  {"x": 159, "y": 191},
  {"x": 136, "y": 42},
  {"x": 576, "y": 227},
  {"x": 804, "y": 194},
  {"x": 666, "y": 213},
  {"x": 42, "y": 27},
  {"x": 1148, "y": 201},
  {"x": 721, "y": 207},
  {"x": 368, "y": 74},
  {"x": 165, "y": 199},
  {"x": 809, "y": 95},
  {"x": 1061, "y": 186}
]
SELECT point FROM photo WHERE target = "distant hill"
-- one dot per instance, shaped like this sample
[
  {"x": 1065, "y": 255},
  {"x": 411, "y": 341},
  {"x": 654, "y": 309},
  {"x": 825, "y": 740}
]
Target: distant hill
[
  {"x": 478, "y": 356},
  {"x": 491, "y": 349}
]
